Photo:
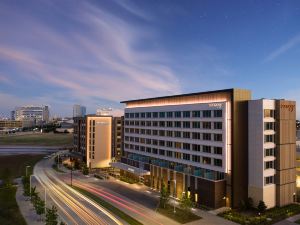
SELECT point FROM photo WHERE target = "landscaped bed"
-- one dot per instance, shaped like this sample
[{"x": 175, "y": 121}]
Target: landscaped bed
[
  {"x": 179, "y": 216},
  {"x": 271, "y": 216}
]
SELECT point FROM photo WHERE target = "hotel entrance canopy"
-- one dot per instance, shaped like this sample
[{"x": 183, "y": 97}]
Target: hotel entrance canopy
[{"x": 131, "y": 169}]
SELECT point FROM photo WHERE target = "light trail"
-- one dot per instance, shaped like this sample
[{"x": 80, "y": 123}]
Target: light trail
[
  {"x": 66, "y": 197},
  {"x": 115, "y": 199}
]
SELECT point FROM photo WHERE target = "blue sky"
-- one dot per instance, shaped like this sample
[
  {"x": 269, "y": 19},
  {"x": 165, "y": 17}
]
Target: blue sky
[{"x": 97, "y": 53}]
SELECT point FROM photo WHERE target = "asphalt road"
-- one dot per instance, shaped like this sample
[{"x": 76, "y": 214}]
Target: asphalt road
[{"x": 73, "y": 207}]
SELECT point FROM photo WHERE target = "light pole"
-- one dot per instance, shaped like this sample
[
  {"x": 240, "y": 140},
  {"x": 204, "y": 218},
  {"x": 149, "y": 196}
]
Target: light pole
[
  {"x": 71, "y": 172},
  {"x": 27, "y": 170},
  {"x": 174, "y": 195},
  {"x": 45, "y": 201}
]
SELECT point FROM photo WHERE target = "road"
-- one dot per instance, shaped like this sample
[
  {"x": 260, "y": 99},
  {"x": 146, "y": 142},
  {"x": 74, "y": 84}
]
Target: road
[
  {"x": 14, "y": 150},
  {"x": 73, "y": 207}
]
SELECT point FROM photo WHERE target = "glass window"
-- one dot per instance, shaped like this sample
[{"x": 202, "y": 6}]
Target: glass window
[
  {"x": 162, "y": 123},
  {"x": 206, "y": 125},
  {"x": 196, "y": 158},
  {"x": 177, "y": 114},
  {"x": 196, "y": 114},
  {"x": 154, "y": 132},
  {"x": 270, "y": 138},
  {"x": 154, "y": 150},
  {"x": 143, "y": 115},
  {"x": 177, "y": 124},
  {"x": 269, "y": 113},
  {"x": 186, "y": 156},
  {"x": 136, "y": 115},
  {"x": 217, "y": 137},
  {"x": 196, "y": 125},
  {"x": 186, "y": 124},
  {"x": 169, "y": 144},
  {"x": 148, "y": 114},
  {"x": 177, "y": 134},
  {"x": 218, "y": 125},
  {"x": 161, "y": 152},
  {"x": 196, "y": 135},
  {"x": 269, "y": 180},
  {"x": 207, "y": 136},
  {"x": 218, "y": 162},
  {"x": 206, "y": 149},
  {"x": 169, "y": 124},
  {"x": 161, "y": 114},
  {"x": 186, "y": 134},
  {"x": 131, "y": 115},
  {"x": 217, "y": 113},
  {"x": 269, "y": 126},
  {"x": 186, "y": 114},
  {"x": 126, "y": 115},
  {"x": 169, "y": 153},
  {"x": 169, "y": 133},
  {"x": 206, "y": 160},
  {"x": 155, "y": 114},
  {"x": 206, "y": 113},
  {"x": 218, "y": 150},
  {"x": 186, "y": 146},
  {"x": 269, "y": 165},
  {"x": 169, "y": 114},
  {"x": 196, "y": 148},
  {"x": 269, "y": 152},
  {"x": 177, "y": 144}
]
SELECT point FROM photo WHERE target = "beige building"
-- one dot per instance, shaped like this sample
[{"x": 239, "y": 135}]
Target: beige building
[{"x": 98, "y": 139}]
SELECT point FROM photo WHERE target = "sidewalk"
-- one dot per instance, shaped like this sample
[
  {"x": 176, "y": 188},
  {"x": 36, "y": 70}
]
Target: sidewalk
[{"x": 26, "y": 208}]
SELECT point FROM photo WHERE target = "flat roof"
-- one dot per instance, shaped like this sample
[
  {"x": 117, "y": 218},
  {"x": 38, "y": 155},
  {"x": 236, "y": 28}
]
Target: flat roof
[{"x": 181, "y": 95}]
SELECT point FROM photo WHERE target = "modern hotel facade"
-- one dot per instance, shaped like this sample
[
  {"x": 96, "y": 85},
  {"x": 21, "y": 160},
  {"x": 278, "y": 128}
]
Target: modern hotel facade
[
  {"x": 98, "y": 138},
  {"x": 199, "y": 143}
]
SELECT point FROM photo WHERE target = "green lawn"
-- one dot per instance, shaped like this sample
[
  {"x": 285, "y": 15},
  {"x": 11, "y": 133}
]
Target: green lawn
[
  {"x": 13, "y": 166},
  {"x": 16, "y": 164},
  {"x": 9, "y": 210},
  {"x": 38, "y": 139},
  {"x": 130, "y": 220},
  {"x": 297, "y": 221},
  {"x": 179, "y": 216}
]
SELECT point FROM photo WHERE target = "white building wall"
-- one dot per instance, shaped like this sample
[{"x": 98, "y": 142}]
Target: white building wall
[{"x": 257, "y": 188}]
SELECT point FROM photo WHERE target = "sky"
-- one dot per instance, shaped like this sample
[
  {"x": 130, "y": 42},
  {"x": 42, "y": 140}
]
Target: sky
[{"x": 98, "y": 53}]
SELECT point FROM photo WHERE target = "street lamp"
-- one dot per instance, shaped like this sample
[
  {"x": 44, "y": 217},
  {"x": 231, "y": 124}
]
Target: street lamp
[
  {"x": 174, "y": 195},
  {"x": 26, "y": 170}
]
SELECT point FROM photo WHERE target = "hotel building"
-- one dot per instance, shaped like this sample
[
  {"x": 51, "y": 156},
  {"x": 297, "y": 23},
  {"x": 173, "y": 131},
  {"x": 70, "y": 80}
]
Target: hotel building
[
  {"x": 98, "y": 138},
  {"x": 34, "y": 114},
  {"x": 200, "y": 143}
]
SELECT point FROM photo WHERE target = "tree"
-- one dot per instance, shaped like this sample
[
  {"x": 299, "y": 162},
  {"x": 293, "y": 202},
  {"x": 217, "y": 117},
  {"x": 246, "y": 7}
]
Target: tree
[
  {"x": 249, "y": 203},
  {"x": 164, "y": 196},
  {"x": 85, "y": 169},
  {"x": 62, "y": 223},
  {"x": 186, "y": 203},
  {"x": 261, "y": 207},
  {"x": 39, "y": 207},
  {"x": 51, "y": 216}
]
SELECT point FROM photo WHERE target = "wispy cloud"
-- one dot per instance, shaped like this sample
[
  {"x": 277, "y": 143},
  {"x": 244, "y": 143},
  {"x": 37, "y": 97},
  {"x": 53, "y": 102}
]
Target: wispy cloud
[
  {"x": 98, "y": 55},
  {"x": 283, "y": 48}
]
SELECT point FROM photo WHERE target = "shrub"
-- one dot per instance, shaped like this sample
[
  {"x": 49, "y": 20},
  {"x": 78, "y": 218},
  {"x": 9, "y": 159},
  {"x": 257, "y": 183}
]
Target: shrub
[
  {"x": 261, "y": 207},
  {"x": 249, "y": 203}
]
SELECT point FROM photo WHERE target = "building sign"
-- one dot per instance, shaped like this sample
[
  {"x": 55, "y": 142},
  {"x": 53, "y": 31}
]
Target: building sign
[
  {"x": 216, "y": 105},
  {"x": 102, "y": 123},
  {"x": 291, "y": 108}
]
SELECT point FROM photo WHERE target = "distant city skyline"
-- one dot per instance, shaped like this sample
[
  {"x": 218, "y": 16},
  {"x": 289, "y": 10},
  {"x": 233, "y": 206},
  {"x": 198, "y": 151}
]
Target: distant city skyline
[{"x": 98, "y": 53}]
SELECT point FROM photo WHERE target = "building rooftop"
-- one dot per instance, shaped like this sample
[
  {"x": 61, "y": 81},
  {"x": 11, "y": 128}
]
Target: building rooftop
[{"x": 181, "y": 95}]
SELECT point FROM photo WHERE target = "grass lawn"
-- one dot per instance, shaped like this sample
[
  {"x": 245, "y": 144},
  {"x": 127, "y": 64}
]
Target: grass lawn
[
  {"x": 9, "y": 210},
  {"x": 14, "y": 165},
  {"x": 108, "y": 206},
  {"x": 38, "y": 139},
  {"x": 180, "y": 216},
  {"x": 297, "y": 221}
]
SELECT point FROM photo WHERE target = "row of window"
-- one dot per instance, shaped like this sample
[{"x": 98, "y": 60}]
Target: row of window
[
  {"x": 269, "y": 180},
  {"x": 176, "y": 124},
  {"x": 176, "y": 114},
  {"x": 178, "y": 155},
  {"x": 177, "y": 134},
  {"x": 269, "y": 165},
  {"x": 180, "y": 145},
  {"x": 269, "y": 125}
]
